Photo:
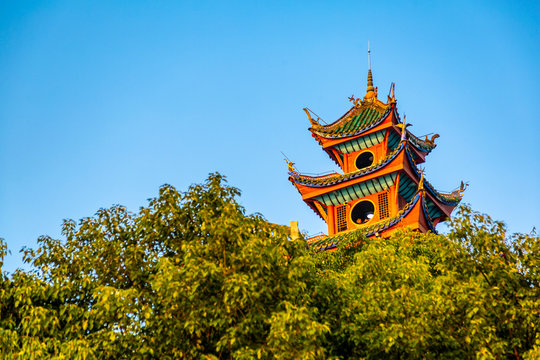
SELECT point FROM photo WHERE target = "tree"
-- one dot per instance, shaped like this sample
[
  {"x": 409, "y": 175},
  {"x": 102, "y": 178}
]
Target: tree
[
  {"x": 188, "y": 276},
  {"x": 192, "y": 276},
  {"x": 471, "y": 294}
]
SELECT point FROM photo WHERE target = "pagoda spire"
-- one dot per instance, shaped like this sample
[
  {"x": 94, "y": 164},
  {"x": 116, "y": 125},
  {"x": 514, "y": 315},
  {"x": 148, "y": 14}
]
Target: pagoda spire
[
  {"x": 371, "y": 91},
  {"x": 380, "y": 188}
]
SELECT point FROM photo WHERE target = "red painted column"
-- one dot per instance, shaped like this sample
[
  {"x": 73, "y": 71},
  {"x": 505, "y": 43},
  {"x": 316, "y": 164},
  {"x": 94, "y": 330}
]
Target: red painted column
[{"x": 331, "y": 220}]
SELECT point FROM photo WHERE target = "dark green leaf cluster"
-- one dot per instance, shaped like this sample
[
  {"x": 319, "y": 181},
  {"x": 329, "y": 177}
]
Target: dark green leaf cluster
[{"x": 193, "y": 276}]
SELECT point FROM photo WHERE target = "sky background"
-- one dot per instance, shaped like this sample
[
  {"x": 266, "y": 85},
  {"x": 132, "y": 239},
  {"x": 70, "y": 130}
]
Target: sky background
[{"x": 102, "y": 102}]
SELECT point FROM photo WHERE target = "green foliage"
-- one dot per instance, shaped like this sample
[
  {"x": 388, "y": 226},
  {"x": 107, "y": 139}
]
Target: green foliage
[
  {"x": 471, "y": 294},
  {"x": 192, "y": 276}
]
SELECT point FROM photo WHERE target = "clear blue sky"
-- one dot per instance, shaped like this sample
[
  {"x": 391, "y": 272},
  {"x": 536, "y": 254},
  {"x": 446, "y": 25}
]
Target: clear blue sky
[{"x": 101, "y": 102}]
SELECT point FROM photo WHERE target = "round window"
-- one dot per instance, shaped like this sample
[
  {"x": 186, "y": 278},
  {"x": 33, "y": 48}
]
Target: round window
[
  {"x": 362, "y": 212},
  {"x": 363, "y": 160}
]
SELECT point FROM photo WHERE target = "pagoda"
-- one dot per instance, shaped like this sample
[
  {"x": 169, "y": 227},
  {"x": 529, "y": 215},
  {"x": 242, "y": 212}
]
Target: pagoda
[{"x": 381, "y": 187}]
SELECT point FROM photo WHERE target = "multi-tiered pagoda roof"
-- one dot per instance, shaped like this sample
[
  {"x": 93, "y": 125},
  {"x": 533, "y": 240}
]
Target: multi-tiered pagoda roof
[{"x": 381, "y": 187}]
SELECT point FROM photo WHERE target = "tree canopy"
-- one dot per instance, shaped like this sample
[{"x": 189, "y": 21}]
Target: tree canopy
[{"x": 191, "y": 275}]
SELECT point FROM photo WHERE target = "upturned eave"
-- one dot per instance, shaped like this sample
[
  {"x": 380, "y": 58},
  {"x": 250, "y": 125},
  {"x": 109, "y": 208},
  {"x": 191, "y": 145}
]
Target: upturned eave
[{"x": 310, "y": 187}]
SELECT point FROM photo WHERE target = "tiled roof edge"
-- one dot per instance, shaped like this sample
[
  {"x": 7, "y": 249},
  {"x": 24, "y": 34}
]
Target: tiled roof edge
[
  {"x": 383, "y": 116},
  {"x": 421, "y": 144},
  {"x": 368, "y": 231},
  {"x": 443, "y": 198},
  {"x": 349, "y": 176}
]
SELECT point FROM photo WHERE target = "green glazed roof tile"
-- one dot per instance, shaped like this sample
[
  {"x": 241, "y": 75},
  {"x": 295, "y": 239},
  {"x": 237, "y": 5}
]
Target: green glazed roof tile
[{"x": 353, "y": 122}]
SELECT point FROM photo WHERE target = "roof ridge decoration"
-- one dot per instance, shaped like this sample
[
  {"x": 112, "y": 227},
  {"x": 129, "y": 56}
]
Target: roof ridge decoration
[
  {"x": 403, "y": 127},
  {"x": 424, "y": 145},
  {"x": 447, "y": 199},
  {"x": 290, "y": 166},
  {"x": 355, "y": 121}
]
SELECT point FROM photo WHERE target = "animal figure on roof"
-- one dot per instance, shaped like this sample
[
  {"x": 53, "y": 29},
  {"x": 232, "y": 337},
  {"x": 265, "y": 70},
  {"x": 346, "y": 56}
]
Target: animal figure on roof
[
  {"x": 290, "y": 164},
  {"x": 403, "y": 128},
  {"x": 432, "y": 141},
  {"x": 462, "y": 187},
  {"x": 356, "y": 101}
]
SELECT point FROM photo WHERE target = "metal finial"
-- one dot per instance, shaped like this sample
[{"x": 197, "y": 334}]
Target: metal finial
[
  {"x": 369, "y": 55},
  {"x": 370, "y": 87}
]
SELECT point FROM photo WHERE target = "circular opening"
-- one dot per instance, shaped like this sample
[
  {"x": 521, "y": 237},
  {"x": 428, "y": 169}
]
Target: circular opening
[
  {"x": 363, "y": 160},
  {"x": 362, "y": 212}
]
